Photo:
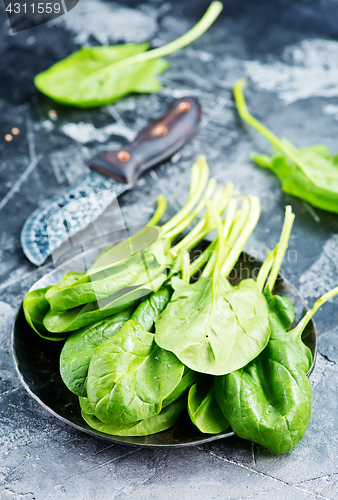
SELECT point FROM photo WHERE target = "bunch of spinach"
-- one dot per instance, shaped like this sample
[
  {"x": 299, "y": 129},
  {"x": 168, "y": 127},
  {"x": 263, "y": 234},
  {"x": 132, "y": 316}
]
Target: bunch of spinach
[
  {"x": 309, "y": 173},
  {"x": 127, "y": 379},
  {"x": 95, "y": 76},
  {"x": 223, "y": 352},
  {"x": 130, "y": 390},
  {"x": 211, "y": 326}
]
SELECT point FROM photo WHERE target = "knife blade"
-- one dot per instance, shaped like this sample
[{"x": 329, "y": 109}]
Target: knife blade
[{"x": 113, "y": 169}]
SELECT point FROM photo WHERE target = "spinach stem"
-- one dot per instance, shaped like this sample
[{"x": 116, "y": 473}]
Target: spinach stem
[
  {"x": 266, "y": 268},
  {"x": 195, "y": 32},
  {"x": 236, "y": 227},
  {"x": 282, "y": 247},
  {"x": 211, "y": 14},
  {"x": 221, "y": 242},
  {"x": 202, "y": 169},
  {"x": 210, "y": 263},
  {"x": 298, "y": 330},
  {"x": 204, "y": 258},
  {"x": 238, "y": 223},
  {"x": 186, "y": 266},
  {"x": 192, "y": 216},
  {"x": 247, "y": 117},
  {"x": 205, "y": 225},
  {"x": 161, "y": 208},
  {"x": 243, "y": 237},
  {"x": 229, "y": 220},
  {"x": 209, "y": 254}
]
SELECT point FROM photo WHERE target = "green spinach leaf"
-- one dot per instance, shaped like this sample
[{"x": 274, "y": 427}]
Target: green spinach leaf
[
  {"x": 95, "y": 76},
  {"x": 203, "y": 408},
  {"x": 137, "y": 271},
  {"x": 309, "y": 173},
  {"x": 80, "y": 346},
  {"x": 214, "y": 329},
  {"x": 78, "y": 317},
  {"x": 160, "y": 422},
  {"x": 35, "y": 306},
  {"x": 185, "y": 383},
  {"x": 269, "y": 400},
  {"x": 129, "y": 376},
  {"x": 91, "y": 77}
]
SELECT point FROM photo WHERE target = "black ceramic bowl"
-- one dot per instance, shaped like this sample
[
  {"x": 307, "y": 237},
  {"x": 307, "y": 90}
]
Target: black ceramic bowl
[{"x": 37, "y": 362}]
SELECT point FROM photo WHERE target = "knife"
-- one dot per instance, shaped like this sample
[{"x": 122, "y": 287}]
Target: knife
[{"x": 114, "y": 169}]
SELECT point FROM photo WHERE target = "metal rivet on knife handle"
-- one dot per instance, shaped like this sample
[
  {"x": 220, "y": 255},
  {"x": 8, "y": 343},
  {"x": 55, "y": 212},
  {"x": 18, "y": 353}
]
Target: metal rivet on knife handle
[
  {"x": 123, "y": 155},
  {"x": 160, "y": 130},
  {"x": 184, "y": 106}
]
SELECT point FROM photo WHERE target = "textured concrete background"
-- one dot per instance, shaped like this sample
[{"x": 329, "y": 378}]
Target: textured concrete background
[{"x": 289, "y": 52}]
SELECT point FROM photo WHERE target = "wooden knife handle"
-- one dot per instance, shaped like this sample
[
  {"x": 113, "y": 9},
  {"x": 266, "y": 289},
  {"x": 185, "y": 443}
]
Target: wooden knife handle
[{"x": 156, "y": 143}]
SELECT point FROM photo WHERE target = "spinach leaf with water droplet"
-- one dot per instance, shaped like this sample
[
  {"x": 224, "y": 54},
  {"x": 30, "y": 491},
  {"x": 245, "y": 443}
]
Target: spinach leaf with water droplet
[
  {"x": 214, "y": 329},
  {"x": 269, "y": 400}
]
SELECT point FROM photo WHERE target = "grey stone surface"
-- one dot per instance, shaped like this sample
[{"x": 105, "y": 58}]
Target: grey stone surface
[{"x": 288, "y": 50}]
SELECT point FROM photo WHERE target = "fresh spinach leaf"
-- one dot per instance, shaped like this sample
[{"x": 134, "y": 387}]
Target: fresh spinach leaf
[
  {"x": 203, "y": 408},
  {"x": 87, "y": 78},
  {"x": 214, "y": 329},
  {"x": 78, "y": 317},
  {"x": 269, "y": 400},
  {"x": 68, "y": 280},
  {"x": 160, "y": 422},
  {"x": 129, "y": 376},
  {"x": 35, "y": 306},
  {"x": 137, "y": 271},
  {"x": 188, "y": 378},
  {"x": 95, "y": 76},
  {"x": 80, "y": 346},
  {"x": 147, "y": 240},
  {"x": 309, "y": 173}
]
